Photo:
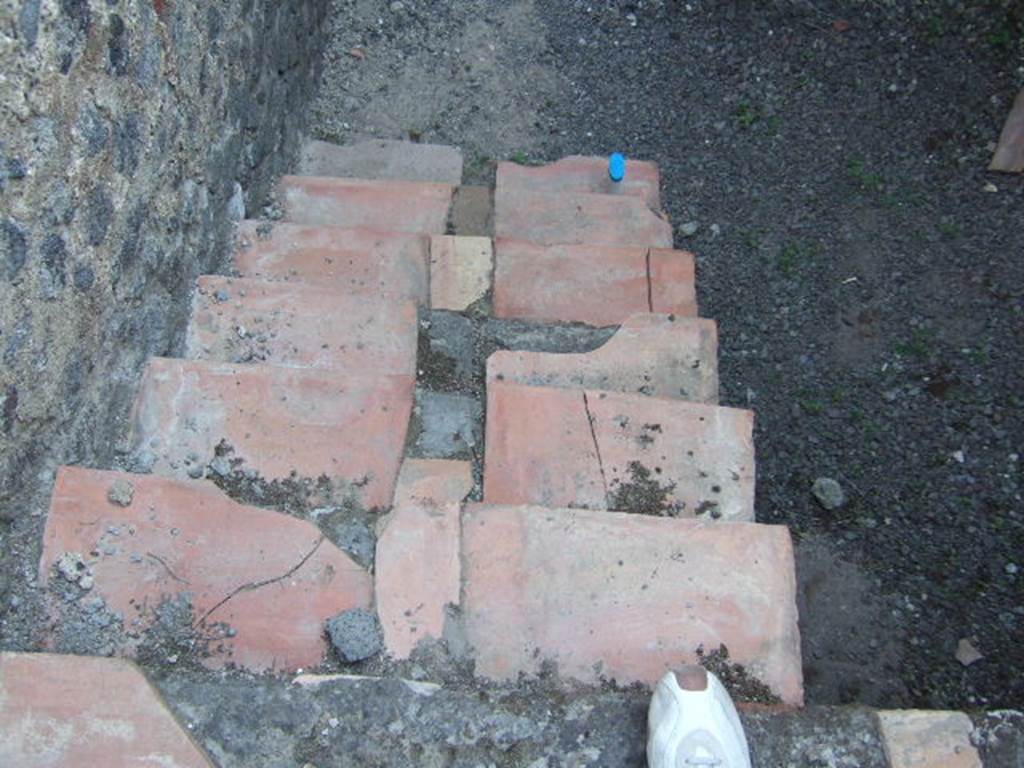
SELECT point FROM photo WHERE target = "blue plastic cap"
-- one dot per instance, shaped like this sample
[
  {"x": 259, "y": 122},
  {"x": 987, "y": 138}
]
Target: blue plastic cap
[{"x": 617, "y": 166}]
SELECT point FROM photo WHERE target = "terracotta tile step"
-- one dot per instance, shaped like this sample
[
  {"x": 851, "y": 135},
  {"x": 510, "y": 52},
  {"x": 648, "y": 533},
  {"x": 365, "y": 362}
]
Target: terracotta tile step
[
  {"x": 382, "y": 159},
  {"x": 260, "y": 584},
  {"x": 417, "y": 570},
  {"x": 608, "y": 450},
  {"x": 597, "y": 285},
  {"x": 577, "y": 217},
  {"x": 577, "y": 173},
  {"x": 238, "y": 320},
  {"x": 656, "y": 355},
  {"x": 348, "y": 427},
  {"x": 626, "y": 597},
  {"x": 78, "y": 711},
  {"x": 390, "y": 206},
  {"x": 362, "y": 262}
]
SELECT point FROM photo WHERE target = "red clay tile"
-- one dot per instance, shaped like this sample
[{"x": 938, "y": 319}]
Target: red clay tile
[
  {"x": 598, "y": 285},
  {"x": 608, "y": 450},
  {"x": 417, "y": 565},
  {"x": 383, "y": 159},
  {"x": 350, "y": 428},
  {"x": 915, "y": 738},
  {"x": 626, "y": 597},
  {"x": 358, "y": 261},
  {"x": 577, "y": 173},
  {"x": 82, "y": 712},
  {"x": 300, "y": 325},
  {"x": 572, "y": 218},
  {"x": 657, "y": 355},
  {"x": 1009, "y": 154},
  {"x": 390, "y": 206},
  {"x": 272, "y": 578}
]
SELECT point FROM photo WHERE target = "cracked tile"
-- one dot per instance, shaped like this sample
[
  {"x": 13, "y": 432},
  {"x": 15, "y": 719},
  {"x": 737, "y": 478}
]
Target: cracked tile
[{"x": 260, "y": 583}]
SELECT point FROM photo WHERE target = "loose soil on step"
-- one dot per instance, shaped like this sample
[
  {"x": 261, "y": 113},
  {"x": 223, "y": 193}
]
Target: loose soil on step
[{"x": 826, "y": 163}]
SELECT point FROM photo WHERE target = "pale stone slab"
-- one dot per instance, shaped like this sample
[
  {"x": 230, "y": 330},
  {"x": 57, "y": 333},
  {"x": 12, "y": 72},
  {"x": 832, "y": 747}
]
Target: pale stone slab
[
  {"x": 460, "y": 271},
  {"x": 626, "y": 597},
  {"x": 382, "y": 159},
  {"x": 81, "y": 712},
  {"x": 417, "y": 566},
  {"x": 917, "y": 738},
  {"x": 656, "y": 355}
]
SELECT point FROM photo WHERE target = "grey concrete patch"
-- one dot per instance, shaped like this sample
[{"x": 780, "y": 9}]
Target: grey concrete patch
[
  {"x": 260, "y": 723},
  {"x": 999, "y": 737},
  {"x": 448, "y": 426}
]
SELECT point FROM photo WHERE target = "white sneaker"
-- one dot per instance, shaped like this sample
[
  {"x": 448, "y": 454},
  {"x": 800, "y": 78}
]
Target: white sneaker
[{"x": 692, "y": 722}]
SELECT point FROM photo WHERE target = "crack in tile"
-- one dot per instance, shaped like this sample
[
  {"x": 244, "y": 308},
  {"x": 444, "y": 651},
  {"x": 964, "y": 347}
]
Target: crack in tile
[
  {"x": 650, "y": 288},
  {"x": 597, "y": 450},
  {"x": 266, "y": 582}
]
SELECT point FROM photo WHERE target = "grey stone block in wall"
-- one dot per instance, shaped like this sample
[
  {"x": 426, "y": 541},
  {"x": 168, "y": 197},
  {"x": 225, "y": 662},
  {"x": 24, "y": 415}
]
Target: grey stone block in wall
[{"x": 127, "y": 132}]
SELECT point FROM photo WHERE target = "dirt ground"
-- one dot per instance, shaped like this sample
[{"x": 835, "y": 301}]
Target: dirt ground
[{"x": 826, "y": 161}]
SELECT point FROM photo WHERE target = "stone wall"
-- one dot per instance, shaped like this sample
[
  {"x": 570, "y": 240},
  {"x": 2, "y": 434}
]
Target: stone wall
[{"x": 132, "y": 133}]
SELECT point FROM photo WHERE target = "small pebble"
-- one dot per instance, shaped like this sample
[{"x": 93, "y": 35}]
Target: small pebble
[{"x": 828, "y": 493}]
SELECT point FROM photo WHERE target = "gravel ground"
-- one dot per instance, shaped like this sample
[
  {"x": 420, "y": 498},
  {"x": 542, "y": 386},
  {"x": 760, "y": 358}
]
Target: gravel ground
[{"x": 866, "y": 271}]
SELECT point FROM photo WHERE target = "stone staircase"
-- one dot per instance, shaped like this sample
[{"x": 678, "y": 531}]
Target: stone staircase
[{"x": 277, "y": 483}]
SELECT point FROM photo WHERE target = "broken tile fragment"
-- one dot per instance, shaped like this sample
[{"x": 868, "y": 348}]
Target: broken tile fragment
[
  {"x": 656, "y": 355},
  {"x": 59, "y": 710},
  {"x": 256, "y": 585},
  {"x": 417, "y": 572},
  {"x": 460, "y": 271}
]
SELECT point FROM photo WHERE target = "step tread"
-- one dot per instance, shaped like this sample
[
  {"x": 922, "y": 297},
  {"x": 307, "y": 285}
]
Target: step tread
[
  {"x": 82, "y": 711},
  {"x": 270, "y": 577},
  {"x": 650, "y": 354},
  {"x": 241, "y": 320},
  {"x": 392, "y": 206},
  {"x": 609, "y": 450},
  {"x": 626, "y": 597},
  {"x": 417, "y": 568},
  {"x": 279, "y": 421},
  {"x": 578, "y": 217},
  {"x": 579, "y": 173},
  {"x": 597, "y": 285},
  {"x": 382, "y": 159},
  {"x": 359, "y": 261}
]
